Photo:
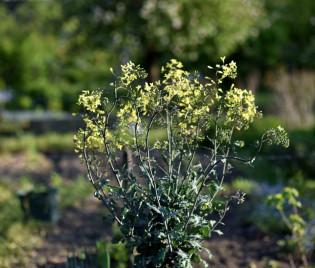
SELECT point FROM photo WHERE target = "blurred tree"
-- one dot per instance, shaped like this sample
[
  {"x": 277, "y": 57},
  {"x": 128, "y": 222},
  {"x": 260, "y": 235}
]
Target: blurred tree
[
  {"x": 36, "y": 59},
  {"x": 29, "y": 61},
  {"x": 152, "y": 30},
  {"x": 50, "y": 50},
  {"x": 279, "y": 57},
  {"x": 286, "y": 38}
]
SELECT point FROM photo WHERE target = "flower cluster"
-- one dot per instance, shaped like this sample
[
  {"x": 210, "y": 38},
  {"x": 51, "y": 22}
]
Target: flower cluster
[
  {"x": 91, "y": 101},
  {"x": 241, "y": 108},
  {"x": 278, "y": 136},
  {"x": 130, "y": 73},
  {"x": 160, "y": 206},
  {"x": 189, "y": 106},
  {"x": 180, "y": 94}
]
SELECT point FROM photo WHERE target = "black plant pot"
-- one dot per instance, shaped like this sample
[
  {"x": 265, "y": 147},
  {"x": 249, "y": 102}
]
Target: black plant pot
[{"x": 40, "y": 205}]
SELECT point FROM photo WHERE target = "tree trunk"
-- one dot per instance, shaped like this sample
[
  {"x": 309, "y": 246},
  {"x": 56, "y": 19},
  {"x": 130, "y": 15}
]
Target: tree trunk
[{"x": 154, "y": 69}]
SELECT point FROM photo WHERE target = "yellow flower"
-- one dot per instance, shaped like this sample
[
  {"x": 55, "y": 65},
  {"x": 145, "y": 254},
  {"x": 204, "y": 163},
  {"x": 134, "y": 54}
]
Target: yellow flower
[{"x": 204, "y": 206}]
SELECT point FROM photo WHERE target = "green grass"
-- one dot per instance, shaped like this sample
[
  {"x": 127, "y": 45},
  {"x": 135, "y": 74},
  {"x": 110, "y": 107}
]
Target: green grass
[
  {"x": 157, "y": 134},
  {"x": 50, "y": 142},
  {"x": 275, "y": 163},
  {"x": 245, "y": 185}
]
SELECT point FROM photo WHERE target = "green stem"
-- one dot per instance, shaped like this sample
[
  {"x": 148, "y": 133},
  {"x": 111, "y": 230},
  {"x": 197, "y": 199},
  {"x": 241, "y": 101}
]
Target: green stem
[
  {"x": 90, "y": 175},
  {"x": 170, "y": 152}
]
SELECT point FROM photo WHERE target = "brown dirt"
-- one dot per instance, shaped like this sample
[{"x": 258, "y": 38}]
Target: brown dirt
[{"x": 78, "y": 227}]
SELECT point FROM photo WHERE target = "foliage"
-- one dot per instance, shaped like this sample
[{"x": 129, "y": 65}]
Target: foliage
[
  {"x": 27, "y": 142},
  {"x": 9, "y": 127},
  {"x": 38, "y": 66},
  {"x": 188, "y": 30},
  {"x": 245, "y": 185},
  {"x": 103, "y": 255},
  {"x": 267, "y": 218},
  {"x": 283, "y": 163},
  {"x": 264, "y": 217},
  {"x": 83, "y": 259},
  {"x": 119, "y": 255},
  {"x": 17, "y": 244},
  {"x": 295, "y": 223},
  {"x": 51, "y": 49},
  {"x": 160, "y": 206},
  {"x": 286, "y": 37}
]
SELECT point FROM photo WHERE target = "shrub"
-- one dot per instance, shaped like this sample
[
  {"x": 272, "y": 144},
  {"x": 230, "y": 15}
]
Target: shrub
[{"x": 159, "y": 202}]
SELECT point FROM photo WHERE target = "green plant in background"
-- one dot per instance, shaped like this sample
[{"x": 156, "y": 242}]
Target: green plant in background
[
  {"x": 245, "y": 185},
  {"x": 81, "y": 259},
  {"x": 293, "y": 220},
  {"x": 189, "y": 30},
  {"x": 285, "y": 27},
  {"x": 38, "y": 64},
  {"x": 272, "y": 264},
  {"x": 160, "y": 205},
  {"x": 28, "y": 142},
  {"x": 17, "y": 238},
  {"x": 115, "y": 254},
  {"x": 119, "y": 254},
  {"x": 103, "y": 257}
]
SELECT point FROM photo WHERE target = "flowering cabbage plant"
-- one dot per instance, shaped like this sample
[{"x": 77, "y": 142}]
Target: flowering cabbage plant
[{"x": 166, "y": 202}]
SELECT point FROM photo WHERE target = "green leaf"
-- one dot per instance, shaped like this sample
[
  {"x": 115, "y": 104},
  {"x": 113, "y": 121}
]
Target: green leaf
[
  {"x": 179, "y": 227},
  {"x": 209, "y": 253},
  {"x": 106, "y": 261},
  {"x": 165, "y": 159},
  {"x": 218, "y": 232},
  {"x": 182, "y": 254},
  {"x": 239, "y": 143},
  {"x": 171, "y": 214},
  {"x": 160, "y": 191},
  {"x": 154, "y": 208},
  {"x": 160, "y": 257},
  {"x": 205, "y": 230},
  {"x": 214, "y": 187},
  {"x": 131, "y": 186},
  {"x": 195, "y": 244},
  {"x": 118, "y": 239},
  {"x": 296, "y": 219},
  {"x": 196, "y": 258}
]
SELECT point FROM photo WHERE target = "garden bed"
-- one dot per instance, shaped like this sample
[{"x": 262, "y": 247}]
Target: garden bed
[{"x": 242, "y": 245}]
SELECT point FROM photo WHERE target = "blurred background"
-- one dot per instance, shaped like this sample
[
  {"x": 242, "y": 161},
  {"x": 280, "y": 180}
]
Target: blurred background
[{"x": 51, "y": 50}]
